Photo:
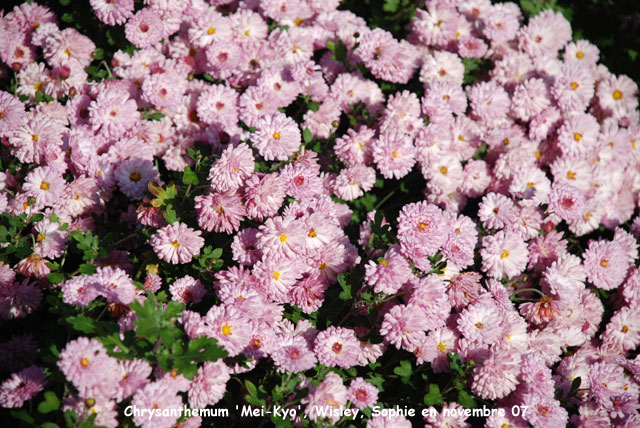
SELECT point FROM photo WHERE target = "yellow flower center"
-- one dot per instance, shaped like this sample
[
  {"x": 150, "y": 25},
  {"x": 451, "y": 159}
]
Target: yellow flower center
[
  {"x": 67, "y": 52},
  {"x": 276, "y": 136},
  {"x": 297, "y": 21},
  {"x": 40, "y": 237},
  {"x": 604, "y": 263},
  {"x": 312, "y": 233},
  {"x": 441, "y": 347},
  {"x": 35, "y": 137},
  {"x": 443, "y": 170},
  {"x": 384, "y": 262},
  {"x": 44, "y": 185},
  {"x": 530, "y": 184},
  {"x": 211, "y": 30},
  {"x": 579, "y": 55},
  {"x": 617, "y": 94},
  {"x": 571, "y": 175},
  {"x": 276, "y": 275},
  {"x": 84, "y": 362},
  {"x": 36, "y": 87},
  {"x": 479, "y": 325},
  {"x": 504, "y": 254},
  {"x": 574, "y": 85},
  {"x": 394, "y": 154},
  {"x": 283, "y": 238},
  {"x": 577, "y": 136},
  {"x": 625, "y": 328},
  {"x": 135, "y": 176},
  {"x": 226, "y": 330},
  {"x": 175, "y": 244}
]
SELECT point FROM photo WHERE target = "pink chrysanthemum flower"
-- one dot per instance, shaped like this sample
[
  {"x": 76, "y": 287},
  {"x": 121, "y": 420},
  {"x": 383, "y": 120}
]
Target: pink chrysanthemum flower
[
  {"x": 504, "y": 254},
  {"x": 220, "y": 212},
  {"x": 545, "y": 412},
  {"x": 394, "y": 154},
  {"x": 404, "y": 326},
  {"x": 134, "y": 175},
  {"x": 263, "y": 195},
  {"x": 618, "y": 94},
  {"x": 573, "y": 89},
  {"x": 235, "y": 165},
  {"x": 113, "y": 12},
  {"x": 422, "y": 225},
  {"x": 496, "y": 211},
  {"x": 624, "y": 329},
  {"x": 281, "y": 237},
  {"x": 529, "y": 99},
  {"x": 293, "y": 355},
  {"x": 177, "y": 243},
  {"x": 471, "y": 47},
  {"x": 187, "y": 290},
  {"x": 451, "y": 415},
  {"x": 217, "y": 105},
  {"x": 115, "y": 284},
  {"x": 337, "y": 346},
  {"x": 480, "y": 322},
  {"x": 229, "y": 327},
  {"x": 330, "y": 395},
  {"x": 163, "y": 91},
  {"x": 145, "y": 28},
  {"x": 566, "y": 201},
  {"x": 113, "y": 113},
  {"x": 12, "y": 113},
  {"x": 277, "y": 275},
  {"x": 430, "y": 294},
  {"x": 245, "y": 247},
  {"x": 134, "y": 375},
  {"x": 497, "y": 376},
  {"x": 79, "y": 290},
  {"x": 45, "y": 184},
  {"x": 489, "y": 101},
  {"x": 277, "y": 137},
  {"x": 209, "y": 385},
  {"x": 157, "y": 395},
  {"x": 578, "y": 135},
  {"x": 352, "y": 182},
  {"x": 85, "y": 362},
  {"x": 362, "y": 394},
  {"x": 21, "y": 386},
  {"x": 606, "y": 264},
  {"x": 355, "y": 146},
  {"x": 390, "y": 273}
]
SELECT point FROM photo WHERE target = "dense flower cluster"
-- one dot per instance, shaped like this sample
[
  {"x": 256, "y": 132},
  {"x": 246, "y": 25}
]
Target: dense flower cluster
[{"x": 526, "y": 225}]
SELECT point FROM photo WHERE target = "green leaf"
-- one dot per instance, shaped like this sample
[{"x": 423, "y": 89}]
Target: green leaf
[
  {"x": 155, "y": 116},
  {"x": 22, "y": 415},
  {"x": 216, "y": 253},
  {"x": 87, "y": 269},
  {"x": 331, "y": 46},
  {"x": 170, "y": 214},
  {"x": 466, "y": 400},
  {"x": 313, "y": 105},
  {"x": 55, "y": 277},
  {"x": 404, "y": 370},
  {"x": 575, "y": 385},
  {"x": 36, "y": 218},
  {"x": 391, "y": 6},
  {"x": 67, "y": 17},
  {"x": 49, "y": 404},
  {"x": 251, "y": 388},
  {"x": 345, "y": 294},
  {"x": 433, "y": 397},
  {"x": 49, "y": 425},
  {"x": 307, "y": 136}
]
